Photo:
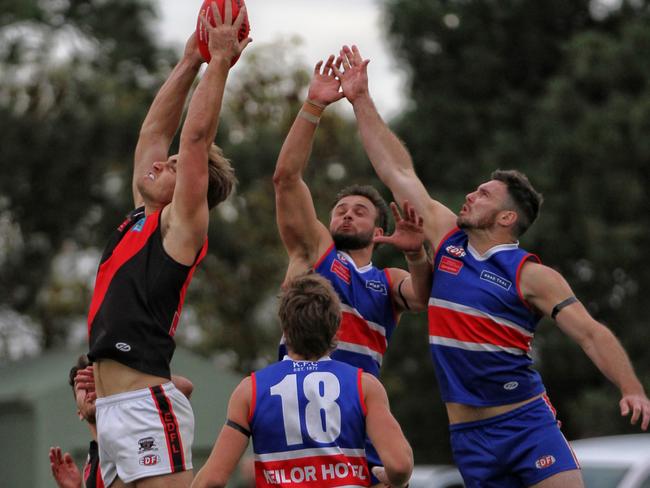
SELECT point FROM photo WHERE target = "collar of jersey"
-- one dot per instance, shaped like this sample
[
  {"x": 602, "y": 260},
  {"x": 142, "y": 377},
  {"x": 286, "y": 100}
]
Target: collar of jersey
[
  {"x": 349, "y": 259},
  {"x": 287, "y": 358},
  {"x": 492, "y": 251}
]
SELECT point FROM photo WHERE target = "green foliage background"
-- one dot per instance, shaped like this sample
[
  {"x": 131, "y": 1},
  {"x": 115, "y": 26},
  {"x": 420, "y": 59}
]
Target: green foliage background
[{"x": 558, "y": 89}]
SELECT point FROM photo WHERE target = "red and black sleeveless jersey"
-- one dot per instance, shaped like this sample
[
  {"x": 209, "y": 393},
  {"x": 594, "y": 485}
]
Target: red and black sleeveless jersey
[
  {"x": 92, "y": 475},
  {"x": 138, "y": 297}
]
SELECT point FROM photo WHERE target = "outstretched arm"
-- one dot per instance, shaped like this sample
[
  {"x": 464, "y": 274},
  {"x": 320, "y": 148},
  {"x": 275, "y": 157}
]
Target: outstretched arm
[
  {"x": 410, "y": 291},
  {"x": 544, "y": 288},
  {"x": 386, "y": 434},
  {"x": 304, "y": 236},
  {"x": 388, "y": 155},
  {"x": 185, "y": 227},
  {"x": 231, "y": 443},
  {"x": 163, "y": 118}
]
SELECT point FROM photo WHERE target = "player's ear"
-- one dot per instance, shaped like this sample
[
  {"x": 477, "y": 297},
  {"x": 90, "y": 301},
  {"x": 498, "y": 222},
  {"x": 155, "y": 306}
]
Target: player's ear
[{"x": 507, "y": 218}]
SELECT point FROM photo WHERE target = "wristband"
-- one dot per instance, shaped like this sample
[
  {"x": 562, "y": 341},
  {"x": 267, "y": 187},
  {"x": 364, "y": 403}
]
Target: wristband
[
  {"x": 313, "y": 108},
  {"x": 316, "y": 104},
  {"x": 309, "y": 117}
]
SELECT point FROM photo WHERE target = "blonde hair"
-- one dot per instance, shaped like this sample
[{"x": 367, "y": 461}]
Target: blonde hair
[{"x": 221, "y": 176}]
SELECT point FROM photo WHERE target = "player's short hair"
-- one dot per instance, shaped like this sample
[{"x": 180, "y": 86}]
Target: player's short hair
[
  {"x": 525, "y": 199},
  {"x": 371, "y": 194},
  {"x": 82, "y": 363},
  {"x": 221, "y": 179},
  {"x": 310, "y": 314}
]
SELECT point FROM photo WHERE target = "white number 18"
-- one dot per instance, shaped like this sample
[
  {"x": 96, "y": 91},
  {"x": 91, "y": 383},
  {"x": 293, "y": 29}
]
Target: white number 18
[{"x": 325, "y": 428}]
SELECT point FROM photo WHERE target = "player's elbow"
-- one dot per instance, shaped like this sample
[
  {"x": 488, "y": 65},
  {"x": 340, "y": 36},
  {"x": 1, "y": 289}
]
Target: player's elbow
[
  {"x": 194, "y": 137},
  {"x": 283, "y": 177}
]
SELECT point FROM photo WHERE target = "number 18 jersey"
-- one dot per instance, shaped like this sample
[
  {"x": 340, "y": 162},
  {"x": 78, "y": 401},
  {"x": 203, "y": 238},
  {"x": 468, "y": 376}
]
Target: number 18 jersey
[{"x": 308, "y": 425}]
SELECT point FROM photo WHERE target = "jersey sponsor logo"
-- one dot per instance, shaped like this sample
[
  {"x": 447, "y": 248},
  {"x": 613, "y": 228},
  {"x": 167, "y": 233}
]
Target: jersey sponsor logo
[
  {"x": 511, "y": 385},
  {"x": 340, "y": 270},
  {"x": 147, "y": 444},
  {"x": 449, "y": 265},
  {"x": 456, "y": 251},
  {"x": 318, "y": 473},
  {"x": 149, "y": 460},
  {"x": 138, "y": 225},
  {"x": 495, "y": 279},
  {"x": 545, "y": 462},
  {"x": 376, "y": 286},
  {"x": 122, "y": 346}
]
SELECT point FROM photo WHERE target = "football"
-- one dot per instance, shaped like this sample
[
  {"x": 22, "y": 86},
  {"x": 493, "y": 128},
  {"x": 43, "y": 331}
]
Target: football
[{"x": 202, "y": 34}]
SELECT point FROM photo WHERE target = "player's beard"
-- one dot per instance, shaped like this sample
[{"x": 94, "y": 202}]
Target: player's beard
[
  {"x": 484, "y": 222},
  {"x": 352, "y": 242}
]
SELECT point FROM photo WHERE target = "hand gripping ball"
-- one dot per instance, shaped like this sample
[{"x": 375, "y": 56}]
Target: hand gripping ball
[{"x": 201, "y": 33}]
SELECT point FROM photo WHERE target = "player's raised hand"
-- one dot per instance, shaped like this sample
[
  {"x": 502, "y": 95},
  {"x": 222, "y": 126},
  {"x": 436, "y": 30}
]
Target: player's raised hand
[
  {"x": 64, "y": 470},
  {"x": 223, "y": 41},
  {"x": 353, "y": 73},
  {"x": 325, "y": 88},
  {"x": 409, "y": 229}
]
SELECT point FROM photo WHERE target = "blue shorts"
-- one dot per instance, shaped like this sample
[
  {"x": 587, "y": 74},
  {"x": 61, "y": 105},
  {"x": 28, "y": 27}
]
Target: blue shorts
[{"x": 518, "y": 448}]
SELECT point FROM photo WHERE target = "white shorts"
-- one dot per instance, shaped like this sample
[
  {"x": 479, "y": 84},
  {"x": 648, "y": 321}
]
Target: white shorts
[{"x": 143, "y": 433}]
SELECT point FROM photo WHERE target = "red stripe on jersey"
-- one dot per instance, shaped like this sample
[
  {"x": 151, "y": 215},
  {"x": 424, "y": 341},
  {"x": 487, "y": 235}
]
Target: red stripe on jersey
[
  {"x": 469, "y": 328},
  {"x": 355, "y": 330},
  {"x": 129, "y": 246},
  {"x": 251, "y": 410},
  {"x": 313, "y": 472},
  {"x": 360, "y": 387},
  {"x": 181, "y": 300},
  {"x": 322, "y": 258},
  {"x": 528, "y": 257}
]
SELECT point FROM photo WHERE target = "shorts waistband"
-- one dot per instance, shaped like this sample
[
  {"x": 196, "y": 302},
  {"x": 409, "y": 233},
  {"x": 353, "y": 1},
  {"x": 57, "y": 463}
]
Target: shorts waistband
[
  {"x": 132, "y": 395},
  {"x": 499, "y": 418}
]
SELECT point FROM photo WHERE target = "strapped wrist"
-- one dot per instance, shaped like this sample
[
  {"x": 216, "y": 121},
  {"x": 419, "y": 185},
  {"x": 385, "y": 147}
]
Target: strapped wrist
[{"x": 311, "y": 111}]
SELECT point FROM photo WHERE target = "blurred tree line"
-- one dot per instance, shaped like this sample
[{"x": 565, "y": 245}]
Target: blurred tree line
[{"x": 558, "y": 89}]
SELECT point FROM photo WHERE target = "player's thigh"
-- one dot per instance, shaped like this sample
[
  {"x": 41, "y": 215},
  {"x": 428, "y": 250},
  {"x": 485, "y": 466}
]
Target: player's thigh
[
  {"x": 182, "y": 479},
  {"x": 565, "y": 479}
]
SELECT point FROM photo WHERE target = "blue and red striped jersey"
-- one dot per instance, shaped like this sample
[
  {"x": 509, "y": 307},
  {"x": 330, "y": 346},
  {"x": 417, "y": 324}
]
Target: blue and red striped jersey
[
  {"x": 480, "y": 326},
  {"x": 307, "y": 422},
  {"x": 369, "y": 316}
]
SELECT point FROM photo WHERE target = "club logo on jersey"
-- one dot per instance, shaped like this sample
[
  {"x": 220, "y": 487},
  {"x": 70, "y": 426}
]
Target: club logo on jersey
[
  {"x": 376, "y": 286},
  {"x": 449, "y": 265},
  {"x": 456, "y": 251},
  {"x": 511, "y": 385},
  {"x": 340, "y": 270},
  {"x": 495, "y": 279},
  {"x": 138, "y": 225},
  {"x": 545, "y": 462},
  {"x": 149, "y": 460},
  {"x": 122, "y": 346},
  {"x": 147, "y": 444}
]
